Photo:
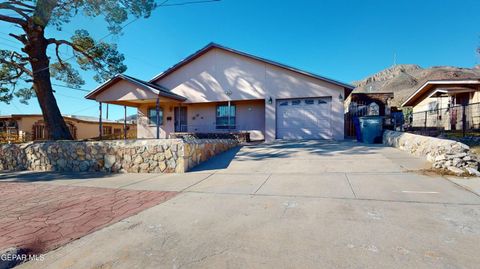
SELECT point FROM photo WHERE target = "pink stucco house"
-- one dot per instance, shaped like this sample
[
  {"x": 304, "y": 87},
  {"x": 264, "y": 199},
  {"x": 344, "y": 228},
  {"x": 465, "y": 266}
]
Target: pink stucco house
[{"x": 219, "y": 89}]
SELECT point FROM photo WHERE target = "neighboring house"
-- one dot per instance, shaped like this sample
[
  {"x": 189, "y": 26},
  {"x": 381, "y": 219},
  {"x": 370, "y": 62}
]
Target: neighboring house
[
  {"x": 267, "y": 99},
  {"x": 440, "y": 103},
  {"x": 26, "y": 127}
]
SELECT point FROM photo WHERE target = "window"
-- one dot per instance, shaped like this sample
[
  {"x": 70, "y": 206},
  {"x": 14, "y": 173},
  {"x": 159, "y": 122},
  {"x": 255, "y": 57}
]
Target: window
[
  {"x": 320, "y": 101},
  {"x": 107, "y": 130},
  {"x": 117, "y": 131},
  {"x": 432, "y": 107},
  {"x": 223, "y": 115},
  {"x": 309, "y": 101},
  {"x": 284, "y": 103},
  {"x": 295, "y": 102},
  {"x": 152, "y": 116},
  {"x": 12, "y": 124},
  {"x": 39, "y": 132}
]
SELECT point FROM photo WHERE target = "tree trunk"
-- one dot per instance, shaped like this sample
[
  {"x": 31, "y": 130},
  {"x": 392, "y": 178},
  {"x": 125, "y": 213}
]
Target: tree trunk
[{"x": 37, "y": 52}]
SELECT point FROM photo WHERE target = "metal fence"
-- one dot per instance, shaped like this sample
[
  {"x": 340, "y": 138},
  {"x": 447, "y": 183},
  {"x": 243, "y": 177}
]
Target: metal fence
[
  {"x": 459, "y": 118},
  {"x": 355, "y": 110}
]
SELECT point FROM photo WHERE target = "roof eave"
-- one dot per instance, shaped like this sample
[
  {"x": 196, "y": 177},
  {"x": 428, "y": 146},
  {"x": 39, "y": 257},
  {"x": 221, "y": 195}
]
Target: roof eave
[
  {"x": 411, "y": 99},
  {"x": 100, "y": 87},
  {"x": 91, "y": 95}
]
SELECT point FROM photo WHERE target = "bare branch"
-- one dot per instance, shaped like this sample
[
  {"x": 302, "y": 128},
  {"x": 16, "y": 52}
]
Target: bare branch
[
  {"x": 57, "y": 46},
  {"x": 19, "y": 3},
  {"x": 20, "y": 11},
  {"x": 21, "y": 38},
  {"x": 17, "y": 65},
  {"x": 13, "y": 20},
  {"x": 75, "y": 48},
  {"x": 19, "y": 56}
]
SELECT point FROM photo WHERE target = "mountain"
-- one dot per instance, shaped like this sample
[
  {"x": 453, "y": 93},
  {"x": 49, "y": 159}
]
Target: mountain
[
  {"x": 404, "y": 79},
  {"x": 131, "y": 118}
]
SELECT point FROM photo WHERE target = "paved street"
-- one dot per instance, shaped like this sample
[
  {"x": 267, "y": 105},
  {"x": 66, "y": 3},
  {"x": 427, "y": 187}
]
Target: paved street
[{"x": 285, "y": 205}]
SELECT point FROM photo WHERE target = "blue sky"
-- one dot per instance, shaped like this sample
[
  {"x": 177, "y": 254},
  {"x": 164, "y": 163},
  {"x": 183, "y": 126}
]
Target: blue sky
[{"x": 344, "y": 40}]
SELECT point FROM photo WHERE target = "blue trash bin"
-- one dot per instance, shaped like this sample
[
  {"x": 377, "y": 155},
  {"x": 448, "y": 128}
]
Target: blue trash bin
[
  {"x": 371, "y": 128},
  {"x": 356, "y": 126}
]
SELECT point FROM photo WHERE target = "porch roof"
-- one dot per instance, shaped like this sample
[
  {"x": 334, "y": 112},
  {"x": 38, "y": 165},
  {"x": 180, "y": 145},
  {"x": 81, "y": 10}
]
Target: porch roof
[
  {"x": 152, "y": 90},
  {"x": 428, "y": 87},
  {"x": 439, "y": 92}
]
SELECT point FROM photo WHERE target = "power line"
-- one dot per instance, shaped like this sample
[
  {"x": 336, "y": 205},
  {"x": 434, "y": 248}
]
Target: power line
[
  {"x": 64, "y": 95},
  {"x": 8, "y": 45},
  {"x": 58, "y": 85},
  {"x": 164, "y": 3},
  {"x": 9, "y": 40},
  {"x": 20, "y": 48},
  {"x": 83, "y": 109},
  {"x": 69, "y": 87},
  {"x": 109, "y": 34},
  {"x": 190, "y": 2}
]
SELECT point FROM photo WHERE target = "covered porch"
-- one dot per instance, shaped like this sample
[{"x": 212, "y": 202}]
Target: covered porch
[
  {"x": 454, "y": 95},
  {"x": 163, "y": 114},
  {"x": 152, "y": 102}
]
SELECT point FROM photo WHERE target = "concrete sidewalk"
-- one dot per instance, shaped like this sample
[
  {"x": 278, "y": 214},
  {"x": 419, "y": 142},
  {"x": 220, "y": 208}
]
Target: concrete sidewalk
[{"x": 305, "y": 204}]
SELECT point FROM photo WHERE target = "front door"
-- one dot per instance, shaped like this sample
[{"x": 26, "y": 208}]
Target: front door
[{"x": 180, "y": 116}]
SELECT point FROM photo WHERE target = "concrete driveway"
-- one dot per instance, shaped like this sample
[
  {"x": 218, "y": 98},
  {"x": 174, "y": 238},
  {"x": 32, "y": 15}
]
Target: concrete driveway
[{"x": 306, "y": 204}]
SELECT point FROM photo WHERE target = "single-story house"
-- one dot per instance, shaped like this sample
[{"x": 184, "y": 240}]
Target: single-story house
[
  {"x": 439, "y": 103},
  {"x": 31, "y": 127},
  {"x": 219, "y": 89}
]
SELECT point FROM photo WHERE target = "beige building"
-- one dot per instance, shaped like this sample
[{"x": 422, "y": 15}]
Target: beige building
[
  {"x": 27, "y": 127},
  {"x": 440, "y": 103},
  {"x": 218, "y": 89}
]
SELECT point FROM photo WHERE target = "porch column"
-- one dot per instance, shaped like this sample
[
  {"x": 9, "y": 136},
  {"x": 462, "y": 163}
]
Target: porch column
[
  {"x": 179, "y": 121},
  {"x": 125, "y": 122},
  {"x": 100, "y": 126},
  {"x": 229, "y": 111},
  {"x": 157, "y": 108}
]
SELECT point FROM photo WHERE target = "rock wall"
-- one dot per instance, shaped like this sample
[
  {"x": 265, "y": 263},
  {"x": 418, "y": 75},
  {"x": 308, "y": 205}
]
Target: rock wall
[
  {"x": 442, "y": 153},
  {"x": 132, "y": 156}
]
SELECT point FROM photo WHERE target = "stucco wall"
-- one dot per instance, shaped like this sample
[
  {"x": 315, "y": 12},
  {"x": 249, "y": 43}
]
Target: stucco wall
[
  {"x": 208, "y": 77},
  {"x": 147, "y": 130},
  {"x": 475, "y": 97},
  {"x": 423, "y": 105},
  {"x": 133, "y": 156},
  {"x": 201, "y": 117},
  {"x": 124, "y": 91}
]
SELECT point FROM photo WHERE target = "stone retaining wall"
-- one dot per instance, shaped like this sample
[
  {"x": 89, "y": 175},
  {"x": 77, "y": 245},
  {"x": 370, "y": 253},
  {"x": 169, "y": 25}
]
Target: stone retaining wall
[
  {"x": 442, "y": 153},
  {"x": 132, "y": 156}
]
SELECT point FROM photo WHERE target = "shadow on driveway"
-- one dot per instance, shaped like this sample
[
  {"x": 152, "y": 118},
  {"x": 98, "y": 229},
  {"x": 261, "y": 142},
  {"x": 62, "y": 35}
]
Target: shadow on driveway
[
  {"x": 220, "y": 161},
  {"x": 286, "y": 149},
  {"x": 28, "y": 176}
]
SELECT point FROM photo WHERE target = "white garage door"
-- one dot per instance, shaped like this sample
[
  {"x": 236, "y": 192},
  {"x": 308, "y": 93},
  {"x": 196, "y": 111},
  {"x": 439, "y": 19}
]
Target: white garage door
[{"x": 305, "y": 118}]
